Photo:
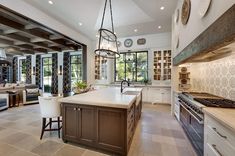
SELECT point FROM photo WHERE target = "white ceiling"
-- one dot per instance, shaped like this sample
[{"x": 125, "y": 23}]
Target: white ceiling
[{"x": 144, "y": 15}]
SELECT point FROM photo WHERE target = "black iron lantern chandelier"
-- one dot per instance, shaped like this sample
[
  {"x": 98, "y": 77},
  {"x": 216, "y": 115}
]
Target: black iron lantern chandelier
[{"x": 107, "y": 42}]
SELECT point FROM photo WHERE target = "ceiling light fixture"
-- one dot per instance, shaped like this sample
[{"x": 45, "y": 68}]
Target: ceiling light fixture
[
  {"x": 107, "y": 41},
  {"x": 162, "y": 8},
  {"x": 159, "y": 27},
  {"x": 50, "y": 2},
  {"x": 80, "y": 23},
  {"x": 136, "y": 30}
]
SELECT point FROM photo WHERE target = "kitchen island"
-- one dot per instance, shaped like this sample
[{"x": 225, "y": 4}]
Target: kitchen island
[{"x": 103, "y": 119}]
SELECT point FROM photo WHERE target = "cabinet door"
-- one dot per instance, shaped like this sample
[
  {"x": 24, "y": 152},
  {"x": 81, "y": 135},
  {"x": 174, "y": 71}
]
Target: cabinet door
[
  {"x": 166, "y": 96},
  {"x": 70, "y": 122},
  {"x": 154, "y": 95},
  {"x": 111, "y": 129},
  {"x": 86, "y": 123}
]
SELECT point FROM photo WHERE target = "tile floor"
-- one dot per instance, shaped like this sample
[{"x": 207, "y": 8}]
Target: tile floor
[{"x": 157, "y": 134}]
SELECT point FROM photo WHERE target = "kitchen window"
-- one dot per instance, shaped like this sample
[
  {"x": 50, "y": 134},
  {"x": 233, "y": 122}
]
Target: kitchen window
[
  {"x": 47, "y": 74},
  {"x": 76, "y": 68},
  {"x": 22, "y": 70},
  {"x": 132, "y": 66}
]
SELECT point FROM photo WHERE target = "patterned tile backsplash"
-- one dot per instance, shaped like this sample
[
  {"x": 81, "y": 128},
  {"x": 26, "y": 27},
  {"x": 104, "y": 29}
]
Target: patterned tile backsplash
[{"x": 216, "y": 77}]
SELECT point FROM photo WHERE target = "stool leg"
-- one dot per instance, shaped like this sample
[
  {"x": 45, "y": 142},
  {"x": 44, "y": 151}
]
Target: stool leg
[
  {"x": 43, "y": 127},
  {"x": 58, "y": 126},
  {"x": 50, "y": 120}
]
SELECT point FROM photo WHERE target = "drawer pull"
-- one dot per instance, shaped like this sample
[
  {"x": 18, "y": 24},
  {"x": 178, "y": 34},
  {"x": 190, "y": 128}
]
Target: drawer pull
[
  {"x": 215, "y": 148},
  {"x": 223, "y": 136}
]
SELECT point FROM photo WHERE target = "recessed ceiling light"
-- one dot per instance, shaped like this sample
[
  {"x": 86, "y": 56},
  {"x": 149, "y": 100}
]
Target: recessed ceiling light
[
  {"x": 80, "y": 23},
  {"x": 50, "y": 2},
  {"x": 136, "y": 30},
  {"x": 162, "y": 8},
  {"x": 159, "y": 27}
]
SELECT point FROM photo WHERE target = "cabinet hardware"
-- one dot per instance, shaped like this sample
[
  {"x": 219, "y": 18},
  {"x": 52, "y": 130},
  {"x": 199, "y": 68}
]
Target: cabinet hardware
[
  {"x": 223, "y": 136},
  {"x": 215, "y": 148},
  {"x": 74, "y": 109}
]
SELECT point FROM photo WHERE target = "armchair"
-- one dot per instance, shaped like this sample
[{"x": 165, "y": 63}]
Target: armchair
[
  {"x": 30, "y": 95},
  {"x": 4, "y": 101}
]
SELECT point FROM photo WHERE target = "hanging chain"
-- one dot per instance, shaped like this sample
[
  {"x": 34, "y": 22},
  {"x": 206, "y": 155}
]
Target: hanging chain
[{"x": 111, "y": 14}]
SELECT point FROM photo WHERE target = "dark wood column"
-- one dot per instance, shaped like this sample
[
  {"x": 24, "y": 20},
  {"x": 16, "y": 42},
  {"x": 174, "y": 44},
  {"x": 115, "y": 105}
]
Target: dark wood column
[{"x": 84, "y": 63}]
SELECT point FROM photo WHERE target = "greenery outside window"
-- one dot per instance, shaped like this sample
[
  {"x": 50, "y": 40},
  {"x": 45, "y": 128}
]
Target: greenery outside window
[
  {"x": 22, "y": 70},
  {"x": 132, "y": 66},
  {"x": 76, "y": 68},
  {"x": 47, "y": 74}
]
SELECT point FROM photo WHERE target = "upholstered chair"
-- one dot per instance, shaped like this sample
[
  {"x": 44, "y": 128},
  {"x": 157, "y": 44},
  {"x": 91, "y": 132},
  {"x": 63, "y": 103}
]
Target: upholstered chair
[
  {"x": 4, "y": 101},
  {"x": 50, "y": 109}
]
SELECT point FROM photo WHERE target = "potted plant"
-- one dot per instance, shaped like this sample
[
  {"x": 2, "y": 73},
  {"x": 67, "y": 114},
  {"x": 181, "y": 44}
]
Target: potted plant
[{"x": 80, "y": 87}]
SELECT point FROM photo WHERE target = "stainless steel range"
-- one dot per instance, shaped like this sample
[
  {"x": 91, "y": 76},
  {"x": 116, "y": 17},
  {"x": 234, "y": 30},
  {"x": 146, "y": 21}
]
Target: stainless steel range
[{"x": 192, "y": 117}]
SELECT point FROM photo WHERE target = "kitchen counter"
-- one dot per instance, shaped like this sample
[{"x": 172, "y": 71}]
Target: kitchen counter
[
  {"x": 225, "y": 116},
  {"x": 106, "y": 97},
  {"x": 103, "y": 119}
]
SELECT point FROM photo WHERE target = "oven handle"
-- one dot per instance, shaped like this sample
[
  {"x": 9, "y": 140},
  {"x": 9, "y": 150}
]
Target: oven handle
[{"x": 199, "y": 121}]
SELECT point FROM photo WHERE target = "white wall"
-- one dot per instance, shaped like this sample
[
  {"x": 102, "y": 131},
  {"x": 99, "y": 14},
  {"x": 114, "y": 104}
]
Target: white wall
[
  {"x": 196, "y": 25},
  {"x": 161, "y": 41},
  {"x": 29, "y": 11}
]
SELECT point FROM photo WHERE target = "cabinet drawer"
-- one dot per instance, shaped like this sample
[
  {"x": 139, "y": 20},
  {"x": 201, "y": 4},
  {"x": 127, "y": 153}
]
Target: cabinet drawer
[
  {"x": 220, "y": 146},
  {"x": 210, "y": 151},
  {"x": 221, "y": 132}
]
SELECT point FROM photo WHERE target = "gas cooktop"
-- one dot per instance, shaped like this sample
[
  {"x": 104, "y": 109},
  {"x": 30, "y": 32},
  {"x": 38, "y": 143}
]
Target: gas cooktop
[
  {"x": 222, "y": 103},
  {"x": 210, "y": 100}
]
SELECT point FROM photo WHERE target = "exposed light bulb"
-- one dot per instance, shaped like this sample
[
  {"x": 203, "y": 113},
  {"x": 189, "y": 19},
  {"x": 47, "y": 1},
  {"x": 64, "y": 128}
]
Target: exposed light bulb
[{"x": 162, "y": 8}]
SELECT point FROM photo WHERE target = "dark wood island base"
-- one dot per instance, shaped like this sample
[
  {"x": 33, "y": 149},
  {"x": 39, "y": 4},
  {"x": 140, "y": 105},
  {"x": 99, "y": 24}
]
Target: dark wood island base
[{"x": 103, "y": 128}]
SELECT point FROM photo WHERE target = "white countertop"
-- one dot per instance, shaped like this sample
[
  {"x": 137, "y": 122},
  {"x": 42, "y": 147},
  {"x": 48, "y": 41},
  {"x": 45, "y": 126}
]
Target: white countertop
[
  {"x": 106, "y": 97},
  {"x": 225, "y": 116}
]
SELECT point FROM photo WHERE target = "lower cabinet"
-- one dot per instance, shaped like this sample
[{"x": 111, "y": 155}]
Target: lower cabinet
[
  {"x": 157, "y": 95},
  {"x": 76, "y": 126},
  {"x": 218, "y": 139},
  {"x": 103, "y": 128}
]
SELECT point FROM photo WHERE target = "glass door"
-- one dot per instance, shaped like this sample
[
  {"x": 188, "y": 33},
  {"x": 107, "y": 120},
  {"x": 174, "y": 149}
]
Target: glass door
[{"x": 47, "y": 74}]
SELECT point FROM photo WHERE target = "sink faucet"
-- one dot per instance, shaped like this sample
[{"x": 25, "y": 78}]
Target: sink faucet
[{"x": 123, "y": 81}]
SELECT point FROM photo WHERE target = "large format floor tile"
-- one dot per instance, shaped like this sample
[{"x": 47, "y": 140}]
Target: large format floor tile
[{"x": 157, "y": 134}]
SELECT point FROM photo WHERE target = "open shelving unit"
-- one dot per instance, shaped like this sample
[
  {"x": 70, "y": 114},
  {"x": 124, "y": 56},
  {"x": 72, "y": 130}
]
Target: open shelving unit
[{"x": 162, "y": 65}]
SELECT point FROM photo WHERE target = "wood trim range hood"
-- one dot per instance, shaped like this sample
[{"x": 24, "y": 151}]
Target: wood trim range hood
[{"x": 217, "y": 41}]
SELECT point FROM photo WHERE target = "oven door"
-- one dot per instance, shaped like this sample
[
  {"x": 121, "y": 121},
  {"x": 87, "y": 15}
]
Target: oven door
[{"x": 193, "y": 127}]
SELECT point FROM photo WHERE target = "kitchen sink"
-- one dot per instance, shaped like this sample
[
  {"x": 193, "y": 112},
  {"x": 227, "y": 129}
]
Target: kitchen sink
[
  {"x": 131, "y": 93},
  {"x": 137, "y": 93}
]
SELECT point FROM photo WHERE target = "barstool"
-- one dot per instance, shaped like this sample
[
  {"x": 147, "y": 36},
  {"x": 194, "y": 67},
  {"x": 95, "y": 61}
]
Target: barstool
[{"x": 50, "y": 108}]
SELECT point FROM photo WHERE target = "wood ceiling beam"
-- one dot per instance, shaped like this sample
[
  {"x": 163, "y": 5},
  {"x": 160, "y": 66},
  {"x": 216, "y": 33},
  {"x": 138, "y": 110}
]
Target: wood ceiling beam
[
  {"x": 21, "y": 28},
  {"x": 27, "y": 41},
  {"x": 10, "y": 31}
]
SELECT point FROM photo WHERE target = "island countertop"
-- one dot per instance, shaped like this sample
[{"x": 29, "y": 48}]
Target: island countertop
[{"x": 105, "y": 97}]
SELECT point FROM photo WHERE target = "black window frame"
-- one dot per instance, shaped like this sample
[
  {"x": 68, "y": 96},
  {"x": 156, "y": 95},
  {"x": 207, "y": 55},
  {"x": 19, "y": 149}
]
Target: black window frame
[
  {"x": 21, "y": 67},
  {"x": 81, "y": 68},
  {"x": 43, "y": 73},
  {"x": 125, "y": 53}
]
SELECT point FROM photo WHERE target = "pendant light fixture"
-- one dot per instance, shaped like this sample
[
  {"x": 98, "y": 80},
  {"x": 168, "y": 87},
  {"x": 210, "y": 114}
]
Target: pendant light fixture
[{"x": 107, "y": 41}]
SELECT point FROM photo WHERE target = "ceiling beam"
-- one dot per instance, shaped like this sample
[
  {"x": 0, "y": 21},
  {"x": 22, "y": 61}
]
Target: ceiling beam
[
  {"x": 26, "y": 40},
  {"x": 10, "y": 31},
  {"x": 21, "y": 28}
]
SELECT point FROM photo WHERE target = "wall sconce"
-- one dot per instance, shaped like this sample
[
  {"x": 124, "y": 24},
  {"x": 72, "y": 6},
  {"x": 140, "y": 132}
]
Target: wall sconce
[
  {"x": 60, "y": 70},
  {"x": 34, "y": 71}
]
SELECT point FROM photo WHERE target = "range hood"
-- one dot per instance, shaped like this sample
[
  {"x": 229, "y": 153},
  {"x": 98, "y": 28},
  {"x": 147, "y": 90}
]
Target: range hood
[{"x": 216, "y": 42}]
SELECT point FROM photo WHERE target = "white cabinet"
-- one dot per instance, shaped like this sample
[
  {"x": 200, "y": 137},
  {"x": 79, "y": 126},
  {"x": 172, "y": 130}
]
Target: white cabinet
[
  {"x": 156, "y": 95},
  {"x": 218, "y": 140}
]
